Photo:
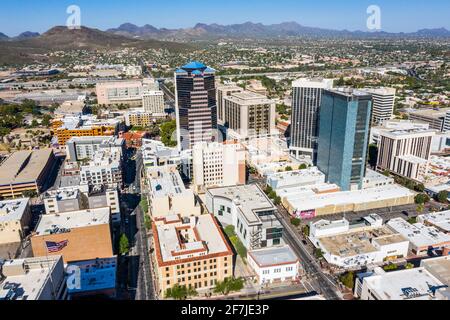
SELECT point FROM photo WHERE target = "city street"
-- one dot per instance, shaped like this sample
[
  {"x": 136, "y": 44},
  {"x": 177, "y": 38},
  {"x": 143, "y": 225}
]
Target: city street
[{"x": 139, "y": 273}]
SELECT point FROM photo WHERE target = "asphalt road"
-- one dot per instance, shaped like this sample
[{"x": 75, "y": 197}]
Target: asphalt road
[{"x": 139, "y": 275}]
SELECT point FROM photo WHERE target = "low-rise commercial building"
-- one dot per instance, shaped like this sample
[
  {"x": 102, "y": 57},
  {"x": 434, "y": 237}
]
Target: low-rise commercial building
[
  {"x": 357, "y": 244},
  {"x": 251, "y": 213},
  {"x": 274, "y": 265},
  {"x": 25, "y": 171},
  {"x": 423, "y": 239},
  {"x": 191, "y": 251},
  {"x": 322, "y": 200},
  {"x": 39, "y": 278},
  {"x": 408, "y": 284},
  {"x": 435, "y": 118},
  {"x": 15, "y": 218},
  {"x": 76, "y": 235},
  {"x": 439, "y": 220}
]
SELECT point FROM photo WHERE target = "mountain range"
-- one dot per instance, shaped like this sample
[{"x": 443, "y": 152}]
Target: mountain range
[
  {"x": 202, "y": 31},
  {"x": 31, "y": 47}
]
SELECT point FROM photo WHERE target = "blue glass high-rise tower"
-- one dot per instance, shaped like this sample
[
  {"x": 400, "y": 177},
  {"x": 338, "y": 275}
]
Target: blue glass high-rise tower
[{"x": 343, "y": 136}]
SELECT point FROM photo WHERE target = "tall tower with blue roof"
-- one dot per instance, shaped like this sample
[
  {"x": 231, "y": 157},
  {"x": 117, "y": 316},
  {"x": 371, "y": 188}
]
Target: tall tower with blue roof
[{"x": 196, "y": 109}]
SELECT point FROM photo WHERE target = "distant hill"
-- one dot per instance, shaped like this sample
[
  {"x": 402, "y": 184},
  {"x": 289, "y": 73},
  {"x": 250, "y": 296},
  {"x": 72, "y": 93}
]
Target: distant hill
[
  {"x": 3, "y": 36},
  {"x": 27, "y": 35},
  {"x": 202, "y": 31},
  {"x": 62, "y": 38}
]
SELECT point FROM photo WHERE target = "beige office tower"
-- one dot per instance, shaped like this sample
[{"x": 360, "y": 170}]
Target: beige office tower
[
  {"x": 248, "y": 114},
  {"x": 218, "y": 165},
  {"x": 222, "y": 93}
]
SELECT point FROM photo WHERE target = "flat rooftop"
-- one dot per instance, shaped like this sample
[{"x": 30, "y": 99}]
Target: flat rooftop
[
  {"x": 408, "y": 284},
  {"x": 24, "y": 166},
  {"x": 308, "y": 201},
  {"x": 27, "y": 285},
  {"x": 440, "y": 220},
  {"x": 248, "y": 198},
  {"x": 355, "y": 243},
  {"x": 247, "y": 98},
  {"x": 430, "y": 113},
  {"x": 274, "y": 256},
  {"x": 62, "y": 194},
  {"x": 399, "y": 133},
  {"x": 439, "y": 267},
  {"x": 63, "y": 222},
  {"x": 12, "y": 210},
  {"x": 419, "y": 234},
  {"x": 178, "y": 237},
  {"x": 164, "y": 182}
]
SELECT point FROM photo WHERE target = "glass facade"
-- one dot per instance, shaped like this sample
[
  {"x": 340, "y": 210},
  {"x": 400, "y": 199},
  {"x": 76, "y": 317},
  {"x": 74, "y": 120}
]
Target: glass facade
[{"x": 343, "y": 137}]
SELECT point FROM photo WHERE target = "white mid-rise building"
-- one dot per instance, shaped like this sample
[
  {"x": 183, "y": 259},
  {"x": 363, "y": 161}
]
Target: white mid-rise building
[
  {"x": 104, "y": 169},
  {"x": 83, "y": 197},
  {"x": 383, "y": 100},
  {"x": 84, "y": 148},
  {"x": 306, "y": 101},
  {"x": 251, "y": 213},
  {"x": 217, "y": 165}
]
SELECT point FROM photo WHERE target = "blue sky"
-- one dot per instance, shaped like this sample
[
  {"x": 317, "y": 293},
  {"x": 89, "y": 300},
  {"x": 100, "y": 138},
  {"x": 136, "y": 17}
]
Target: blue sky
[{"x": 17, "y": 16}]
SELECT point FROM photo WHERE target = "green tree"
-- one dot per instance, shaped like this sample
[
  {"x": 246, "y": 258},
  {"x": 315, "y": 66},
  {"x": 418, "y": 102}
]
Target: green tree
[
  {"x": 390, "y": 267},
  {"x": 124, "y": 244},
  {"x": 178, "y": 292},
  {"x": 46, "y": 120},
  {"x": 419, "y": 187},
  {"x": 167, "y": 130},
  {"x": 288, "y": 168},
  {"x": 348, "y": 279},
  {"x": 277, "y": 200},
  {"x": 305, "y": 231},
  {"x": 229, "y": 285},
  {"x": 295, "y": 222},
  {"x": 412, "y": 220},
  {"x": 29, "y": 194},
  {"x": 318, "y": 253},
  {"x": 442, "y": 196},
  {"x": 303, "y": 166},
  {"x": 422, "y": 198}
]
